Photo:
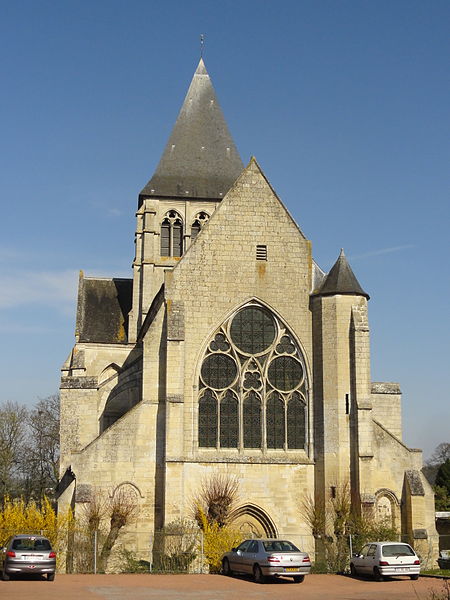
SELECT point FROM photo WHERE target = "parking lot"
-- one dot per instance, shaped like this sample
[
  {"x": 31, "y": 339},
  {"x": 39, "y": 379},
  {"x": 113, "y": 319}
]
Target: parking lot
[{"x": 215, "y": 587}]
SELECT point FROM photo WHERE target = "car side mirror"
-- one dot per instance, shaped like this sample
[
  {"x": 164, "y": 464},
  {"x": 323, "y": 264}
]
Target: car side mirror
[{"x": 233, "y": 549}]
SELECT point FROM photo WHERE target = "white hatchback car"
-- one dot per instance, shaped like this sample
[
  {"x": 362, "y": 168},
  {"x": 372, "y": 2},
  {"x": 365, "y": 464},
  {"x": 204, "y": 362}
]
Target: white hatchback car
[{"x": 386, "y": 559}]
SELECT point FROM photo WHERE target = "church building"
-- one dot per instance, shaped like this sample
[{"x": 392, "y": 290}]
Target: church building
[{"x": 229, "y": 351}]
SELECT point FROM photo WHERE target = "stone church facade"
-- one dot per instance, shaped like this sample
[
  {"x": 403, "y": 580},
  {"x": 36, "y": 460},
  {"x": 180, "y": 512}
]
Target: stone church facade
[{"x": 230, "y": 351}]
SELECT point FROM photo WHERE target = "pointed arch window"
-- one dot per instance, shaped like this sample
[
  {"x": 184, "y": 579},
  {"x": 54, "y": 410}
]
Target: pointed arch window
[
  {"x": 296, "y": 431},
  {"x": 275, "y": 420},
  {"x": 252, "y": 421},
  {"x": 172, "y": 234},
  {"x": 253, "y": 386},
  {"x": 200, "y": 219},
  {"x": 229, "y": 423},
  {"x": 207, "y": 422}
]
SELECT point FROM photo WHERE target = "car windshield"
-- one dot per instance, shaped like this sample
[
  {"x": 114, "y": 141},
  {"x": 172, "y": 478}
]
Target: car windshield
[
  {"x": 397, "y": 550},
  {"x": 280, "y": 546},
  {"x": 27, "y": 544}
]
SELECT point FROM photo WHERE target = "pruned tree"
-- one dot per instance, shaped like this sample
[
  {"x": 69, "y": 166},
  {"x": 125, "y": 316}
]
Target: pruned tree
[
  {"x": 217, "y": 497},
  {"x": 212, "y": 509},
  {"x": 333, "y": 522},
  {"x": 121, "y": 511}
]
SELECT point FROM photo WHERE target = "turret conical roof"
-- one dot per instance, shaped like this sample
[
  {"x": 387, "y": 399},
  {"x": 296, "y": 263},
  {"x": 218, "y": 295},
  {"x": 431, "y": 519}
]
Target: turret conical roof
[
  {"x": 200, "y": 159},
  {"x": 341, "y": 280}
]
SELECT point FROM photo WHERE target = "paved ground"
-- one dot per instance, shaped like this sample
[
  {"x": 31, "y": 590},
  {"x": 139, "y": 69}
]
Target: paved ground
[{"x": 215, "y": 587}]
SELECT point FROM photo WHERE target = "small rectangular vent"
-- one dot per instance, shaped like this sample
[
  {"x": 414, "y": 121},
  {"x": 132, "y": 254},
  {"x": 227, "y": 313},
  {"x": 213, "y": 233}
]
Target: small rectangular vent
[{"x": 261, "y": 252}]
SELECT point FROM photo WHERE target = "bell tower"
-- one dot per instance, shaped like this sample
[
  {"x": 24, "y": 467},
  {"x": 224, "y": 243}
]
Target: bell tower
[{"x": 198, "y": 166}]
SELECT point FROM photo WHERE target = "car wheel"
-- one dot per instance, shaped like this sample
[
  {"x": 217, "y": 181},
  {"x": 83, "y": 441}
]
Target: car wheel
[
  {"x": 299, "y": 579},
  {"x": 414, "y": 577},
  {"x": 377, "y": 575},
  {"x": 5, "y": 576},
  {"x": 51, "y": 576},
  {"x": 353, "y": 572},
  {"x": 257, "y": 574},
  {"x": 226, "y": 570}
]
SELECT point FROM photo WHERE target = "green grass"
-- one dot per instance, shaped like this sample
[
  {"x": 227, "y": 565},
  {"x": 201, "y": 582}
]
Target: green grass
[{"x": 442, "y": 572}]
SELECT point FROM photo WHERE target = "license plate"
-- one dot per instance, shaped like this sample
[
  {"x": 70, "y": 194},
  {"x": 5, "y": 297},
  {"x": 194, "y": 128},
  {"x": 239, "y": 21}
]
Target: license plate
[
  {"x": 402, "y": 570},
  {"x": 291, "y": 569}
]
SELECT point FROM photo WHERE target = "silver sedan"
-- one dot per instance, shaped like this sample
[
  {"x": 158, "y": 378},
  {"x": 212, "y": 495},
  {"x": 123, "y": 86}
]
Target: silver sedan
[
  {"x": 27, "y": 554},
  {"x": 267, "y": 558}
]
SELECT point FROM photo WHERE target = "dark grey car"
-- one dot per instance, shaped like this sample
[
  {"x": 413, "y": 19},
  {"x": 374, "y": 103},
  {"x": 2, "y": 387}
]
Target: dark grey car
[
  {"x": 28, "y": 554},
  {"x": 267, "y": 557}
]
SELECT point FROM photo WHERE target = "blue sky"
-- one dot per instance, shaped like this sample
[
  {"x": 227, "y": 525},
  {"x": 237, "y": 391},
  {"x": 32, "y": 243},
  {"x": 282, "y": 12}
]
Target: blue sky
[{"x": 345, "y": 104}]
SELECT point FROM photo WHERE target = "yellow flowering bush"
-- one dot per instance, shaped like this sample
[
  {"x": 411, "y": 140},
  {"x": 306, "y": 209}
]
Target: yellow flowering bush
[
  {"x": 217, "y": 540},
  {"x": 17, "y": 516}
]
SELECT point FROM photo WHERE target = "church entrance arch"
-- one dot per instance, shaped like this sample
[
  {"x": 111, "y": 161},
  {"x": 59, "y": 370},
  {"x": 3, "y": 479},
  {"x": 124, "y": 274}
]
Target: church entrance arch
[
  {"x": 387, "y": 508},
  {"x": 253, "y": 522}
]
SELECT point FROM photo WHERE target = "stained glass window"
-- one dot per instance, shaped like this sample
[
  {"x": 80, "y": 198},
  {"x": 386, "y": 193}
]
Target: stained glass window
[
  {"x": 177, "y": 230},
  {"x": 200, "y": 219},
  {"x": 229, "y": 425},
  {"x": 296, "y": 425},
  {"x": 195, "y": 230},
  {"x": 253, "y": 369},
  {"x": 219, "y": 371},
  {"x": 207, "y": 420},
  {"x": 285, "y": 373},
  {"x": 275, "y": 422},
  {"x": 165, "y": 238},
  {"x": 252, "y": 421},
  {"x": 253, "y": 330}
]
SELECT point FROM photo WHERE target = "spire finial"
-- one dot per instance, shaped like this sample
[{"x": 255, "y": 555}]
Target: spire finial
[{"x": 202, "y": 43}]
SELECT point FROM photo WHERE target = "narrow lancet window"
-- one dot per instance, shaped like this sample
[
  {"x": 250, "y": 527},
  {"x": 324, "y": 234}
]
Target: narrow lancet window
[
  {"x": 229, "y": 424},
  {"x": 252, "y": 421},
  {"x": 172, "y": 235},
  {"x": 275, "y": 422},
  {"x": 207, "y": 420},
  {"x": 200, "y": 219},
  {"x": 296, "y": 425}
]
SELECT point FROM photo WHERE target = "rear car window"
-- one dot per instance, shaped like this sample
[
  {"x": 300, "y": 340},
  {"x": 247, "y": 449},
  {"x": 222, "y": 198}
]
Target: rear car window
[
  {"x": 28, "y": 544},
  {"x": 397, "y": 550},
  {"x": 280, "y": 546}
]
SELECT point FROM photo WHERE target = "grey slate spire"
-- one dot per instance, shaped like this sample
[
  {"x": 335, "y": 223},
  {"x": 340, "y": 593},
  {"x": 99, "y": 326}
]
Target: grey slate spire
[
  {"x": 341, "y": 280},
  {"x": 200, "y": 159}
]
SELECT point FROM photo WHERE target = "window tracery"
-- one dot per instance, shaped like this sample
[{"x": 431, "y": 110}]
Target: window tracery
[
  {"x": 200, "y": 219},
  {"x": 172, "y": 234},
  {"x": 253, "y": 386}
]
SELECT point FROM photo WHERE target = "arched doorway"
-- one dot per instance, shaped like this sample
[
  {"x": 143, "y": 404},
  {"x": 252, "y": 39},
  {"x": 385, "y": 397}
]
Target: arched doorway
[{"x": 253, "y": 522}]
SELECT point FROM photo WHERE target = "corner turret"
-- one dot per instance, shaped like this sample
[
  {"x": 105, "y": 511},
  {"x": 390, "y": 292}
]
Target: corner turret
[{"x": 341, "y": 280}]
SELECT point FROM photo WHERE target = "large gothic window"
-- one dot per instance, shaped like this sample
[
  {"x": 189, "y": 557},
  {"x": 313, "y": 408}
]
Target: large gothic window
[
  {"x": 172, "y": 235},
  {"x": 253, "y": 386}
]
